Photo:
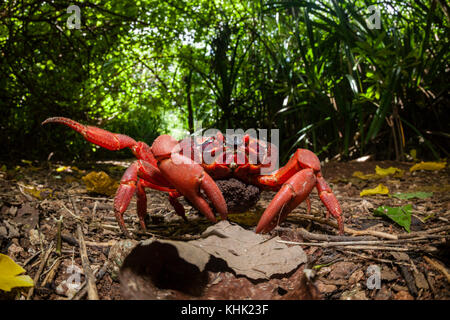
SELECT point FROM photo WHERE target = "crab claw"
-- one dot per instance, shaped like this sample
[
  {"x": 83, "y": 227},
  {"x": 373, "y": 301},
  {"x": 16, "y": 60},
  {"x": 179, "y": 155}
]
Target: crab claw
[
  {"x": 292, "y": 193},
  {"x": 188, "y": 177},
  {"x": 100, "y": 137}
]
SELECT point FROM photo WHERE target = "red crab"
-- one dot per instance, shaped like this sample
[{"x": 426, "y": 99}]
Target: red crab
[{"x": 167, "y": 166}]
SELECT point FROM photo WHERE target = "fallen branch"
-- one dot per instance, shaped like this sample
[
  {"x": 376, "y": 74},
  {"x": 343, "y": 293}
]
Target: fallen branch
[
  {"x": 436, "y": 265},
  {"x": 374, "y": 233},
  {"x": 357, "y": 246},
  {"x": 74, "y": 242},
  {"x": 91, "y": 287},
  {"x": 324, "y": 237},
  {"x": 52, "y": 272},
  {"x": 90, "y": 279},
  {"x": 83, "y": 289},
  {"x": 44, "y": 259}
]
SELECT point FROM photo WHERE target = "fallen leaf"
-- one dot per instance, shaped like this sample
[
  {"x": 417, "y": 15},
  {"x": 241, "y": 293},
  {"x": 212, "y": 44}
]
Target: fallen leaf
[
  {"x": 36, "y": 192},
  {"x": 400, "y": 215},
  {"x": 379, "y": 173},
  {"x": 10, "y": 275},
  {"x": 380, "y": 189},
  {"x": 228, "y": 262},
  {"x": 101, "y": 183},
  {"x": 362, "y": 176},
  {"x": 248, "y": 253},
  {"x": 410, "y": 195},
  {"x": 396, "y": 172},
  {"x": 432, "y": 166}
]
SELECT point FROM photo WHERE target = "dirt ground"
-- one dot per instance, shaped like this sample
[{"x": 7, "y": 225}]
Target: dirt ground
[{"x": 33, "y": 197}]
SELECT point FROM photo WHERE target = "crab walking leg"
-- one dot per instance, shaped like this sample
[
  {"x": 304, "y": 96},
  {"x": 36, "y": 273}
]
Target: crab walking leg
[
  {"x": 124, "y": 194},
  {"x": 141, "y": 204},
  {"x": 100, "y": 137},
  {"x": 188, "y": 178},
  {"x": 291, "y": 194},
  {"x": 150, "y": 178},
  {"x": 179, "y": 209},
  {"x": 329, "y": 200}
]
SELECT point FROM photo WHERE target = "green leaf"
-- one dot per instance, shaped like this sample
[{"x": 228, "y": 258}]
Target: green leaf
[
  {"x": 410, "y": 195},
  {"x": 400, "y": 215},
  {"x": 10, "y": 275}
]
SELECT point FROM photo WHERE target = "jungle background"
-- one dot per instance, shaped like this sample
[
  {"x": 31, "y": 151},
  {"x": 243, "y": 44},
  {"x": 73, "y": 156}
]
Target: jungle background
[
  {"x": 363, "y": 84},
  {"x": 320, "y": 71}
]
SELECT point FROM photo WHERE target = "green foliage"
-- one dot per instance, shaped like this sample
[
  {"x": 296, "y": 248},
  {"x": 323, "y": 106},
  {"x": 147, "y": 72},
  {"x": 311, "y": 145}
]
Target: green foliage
[
  {"x": 314, "y": 70},
  {"x": 400, "y": 215}
]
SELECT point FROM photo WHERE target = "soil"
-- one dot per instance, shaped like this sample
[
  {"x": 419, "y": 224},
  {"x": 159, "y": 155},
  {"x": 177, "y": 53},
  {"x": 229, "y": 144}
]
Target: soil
[{"x": 33, "y": 197}]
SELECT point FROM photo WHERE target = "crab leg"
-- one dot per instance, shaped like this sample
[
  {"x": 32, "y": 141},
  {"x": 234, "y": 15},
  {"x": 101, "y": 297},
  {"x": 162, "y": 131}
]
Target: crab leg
[
  {"x": 179, "y": 209},
  {"x": 292, "y": 193},
  {"x": 301, "y": 160},
  {"x": 329, "y": 200},
  {"x": 188, "y": 178},
  {"x": 150, "y": 177},
  {"x": 100, "y": 137}
]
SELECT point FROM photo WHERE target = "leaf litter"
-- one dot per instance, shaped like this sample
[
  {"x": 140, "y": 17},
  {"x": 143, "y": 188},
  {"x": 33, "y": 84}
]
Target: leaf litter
[{"x": 28, "y": 224}]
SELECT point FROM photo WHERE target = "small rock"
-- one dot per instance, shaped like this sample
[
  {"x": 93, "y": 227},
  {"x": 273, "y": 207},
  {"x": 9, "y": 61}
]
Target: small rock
[
  {"x": 14, "y": 251},
  {"x": 12, "y": 230},
  {"x": 325, "y": 288},
  {"x": 3, "y": 232},
  {"x": 403, "y": 295},
  {"x": 341, "y": 270},
  {"x": 323, "y": 271},
  {"x": 34, "y": 237},
  {"x": 354, "y": 294},
  {"x": 421, "y": 282},
  {"x": 356, "y": 276}
]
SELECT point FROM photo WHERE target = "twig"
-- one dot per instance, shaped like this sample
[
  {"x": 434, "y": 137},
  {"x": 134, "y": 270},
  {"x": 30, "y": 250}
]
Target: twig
[
  {"x": 51, "y": 274},
  {"x": 71, "y": 213},
  {"x": 409, "y": 279},
  {"x": 75, "y": 242},
  {"x": 436, "y": 265},
  {"x": 31, "y": 258},
  {"x": 357, "y": 246},
  {"x": 58, "y": 236},
  {"x": 368, "y": 242},
  {"x": 373, "y": 258},
  {"x": 377, "y": 234},
  {"x": 324, "y": 237},
  {"x": 424, "y": 233},
  {"x": 83, "y": 289},
  {"x": 44, "y": 259},
  {"x": 91, "y": 287}
]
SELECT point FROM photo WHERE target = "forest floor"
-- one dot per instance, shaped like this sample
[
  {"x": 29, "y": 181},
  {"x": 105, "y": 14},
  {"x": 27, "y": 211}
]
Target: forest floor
[{"x": 407, "y": 265}]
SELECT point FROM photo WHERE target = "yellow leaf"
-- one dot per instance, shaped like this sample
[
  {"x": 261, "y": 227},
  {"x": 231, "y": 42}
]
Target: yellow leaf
[
  {"x": 396, "y": 172},
  {"x": 428, "y": 166},
  {"x": 62, "y": 168},
  {"x": 380, "y": 189},
  {"x": 37, "y": 193},
  {"x": 100, "y": 182},
  {"x": 10, "y": 275},
  {"x": 362, "y": 176}
]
